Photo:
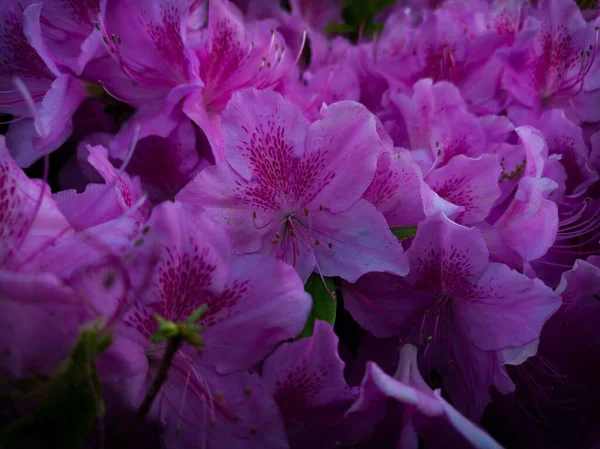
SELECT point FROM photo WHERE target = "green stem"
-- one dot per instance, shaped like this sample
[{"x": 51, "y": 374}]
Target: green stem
[{"x": 172, "y": 348}]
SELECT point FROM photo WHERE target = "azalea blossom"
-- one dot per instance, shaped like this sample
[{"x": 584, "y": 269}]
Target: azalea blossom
[
  {"x": 285, "y": 188},
  {"x": 235, "y": 224}
]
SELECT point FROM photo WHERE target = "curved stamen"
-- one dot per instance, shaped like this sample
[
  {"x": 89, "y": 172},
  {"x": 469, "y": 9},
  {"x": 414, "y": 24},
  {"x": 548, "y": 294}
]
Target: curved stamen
[
  {"x": 575, "y": 216},
  {"x": 113, "y": 95},
  {"x": 254, "y": 215},
  {"x": 13, "y": 120},
  {"x": 20, "y": 85}
]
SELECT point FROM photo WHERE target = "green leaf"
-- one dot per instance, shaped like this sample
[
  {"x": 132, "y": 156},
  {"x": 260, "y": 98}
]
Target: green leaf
[
  {"x": 404, "y": 232},
  {"x": 587, "y": 4},
  {"x": 324, "y": 305},
  {"x": 359, "y": 14},
  {"x": 340, "y": 28},
  {"x": 70, "y": 402}
]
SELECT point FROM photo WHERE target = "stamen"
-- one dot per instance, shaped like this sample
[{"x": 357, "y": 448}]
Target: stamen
[
  {"x": 20, "y": 85},
  {"x": 575, "y": 216},
  {"x": 302, "y": 44},
  {"x": 254, "y": 215},
  {"x": 14, "y": 120},
  {"x": 103, "y": 86},
  {"x": 185, "y": 389}
]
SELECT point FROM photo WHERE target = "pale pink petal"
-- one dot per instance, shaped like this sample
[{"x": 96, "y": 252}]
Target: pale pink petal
[
  {"x": 505, "y": 308},
  {"x": 446, "y": 256},
  {"x": 356, "y": 242},
  {"x": 347, "y": 144},
  {"x": 272, "y": 295},
  {"x": 263, "y": 134},
  {"x": 469, "y": 183},
  {"x": 530, "y": 222}
]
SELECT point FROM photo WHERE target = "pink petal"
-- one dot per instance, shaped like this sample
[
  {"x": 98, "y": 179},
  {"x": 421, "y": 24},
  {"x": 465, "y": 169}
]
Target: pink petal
[
  {"x": 260, "y": 128},
  {"x": 469, "y": 183},
  {"x": 29, "y": 140},
  {"x": 75, "y": 206},
  {"x": 30, "y": 217},
  {"x": 505, "y": 309},
  {"x": 19, "y": 58},
  {"x": 347, "y": 141},
  {"x": 264, "y": 307},
  {"x": 153, "y": 53},
  {"x": 428, "y": 100},
  {"x": 356, "y": 242},
  {"x": 307, "y": 374},
  {"x": 69, "y": 32},
  {"x": 445, "y": 256},
  {"x": 530, "y": 222},
  {"x": 185, "y": 410},
  {"x": 222, "y": 192},
  {"x": 385, "y": 304},
  {"x": 396, "y": 190},
  {"x": 39, "y": 322},
  {"x": 455, "y": 132},
  {"x": 536, "y": 150}
]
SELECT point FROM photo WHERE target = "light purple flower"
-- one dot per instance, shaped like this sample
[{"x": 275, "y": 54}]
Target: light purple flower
[
  {"x": 467, "y": 315},
  {"x": 293, "y": 190},
  {"x": 416, "y": 415}
]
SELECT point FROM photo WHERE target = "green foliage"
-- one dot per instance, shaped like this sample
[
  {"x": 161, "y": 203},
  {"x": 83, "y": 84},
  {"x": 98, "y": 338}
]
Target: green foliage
[
  {"x": 69, "y": 404},
  {"x": 357, "y": 15},
  {"x": 404, "y": 232},
  {"x": 324, "y": 304},
  {"x": 587, "y": 4}
]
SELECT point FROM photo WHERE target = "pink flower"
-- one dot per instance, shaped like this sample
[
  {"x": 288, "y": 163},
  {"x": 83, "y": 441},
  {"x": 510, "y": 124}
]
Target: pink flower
[
  {"x": 55, "y": 93},
  {"x": 293, "y": 190},
  {"x": 233, "y": 55},
  {"x": 467, "y": 315},
  {"x": 306, "y": 379},
  {"x": 29, "y": 217},
  {"x": 208, "y": 396},
  {"x": 550, "y": 59},
  {"x": 168, "y": 153},
  {"x": 416, "y": 415}
]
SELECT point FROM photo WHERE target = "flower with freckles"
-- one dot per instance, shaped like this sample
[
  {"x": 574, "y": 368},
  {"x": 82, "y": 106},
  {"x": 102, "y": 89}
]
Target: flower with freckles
[
  {"x": 209, "y": 398},
  {"x": 293, "y": 190},
  {"x": 467, "y": 315}
]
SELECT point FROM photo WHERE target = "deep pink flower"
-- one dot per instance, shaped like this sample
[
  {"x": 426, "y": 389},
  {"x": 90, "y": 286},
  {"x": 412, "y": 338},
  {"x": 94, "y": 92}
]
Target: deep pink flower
[
  {"x": 528, "y": 226},
  {"x": 467, "y": 315},
  {"x": 306, "y": 379},
  {"x": 168, "y": 152},
  {"x": 56, "y": 94},
  {"x": 248, "y": 312},
  {"x": 451, "y": 44},
  {"x": 150, "y": 61},
  {"x": 29, "y": 217},
  {"x": 39, "y": 321},
  {"x": 100, "y": 203},
  {"x": 437, "y": 119},
  {"x": 416, "y": 415},
  {"x": 326, "y": 85},
  {"x": 565, "y": 138},
  {"x": 233, "y": 55},
  {"x": 294, "y": 190},
  {"x": 399, "y": 191},
  {"x": 469, "y": 183},
  {"x": 67, "y": 29},
  {"x": 550, "y": 59}
]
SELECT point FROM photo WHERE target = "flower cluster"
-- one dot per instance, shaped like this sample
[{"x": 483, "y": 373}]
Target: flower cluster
[{"x": 303, "y": 224}]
